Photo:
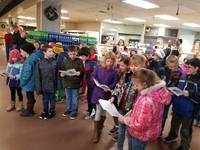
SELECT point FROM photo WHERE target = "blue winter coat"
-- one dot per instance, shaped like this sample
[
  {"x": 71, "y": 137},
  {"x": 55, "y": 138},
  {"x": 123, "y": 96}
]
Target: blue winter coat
[
  {"x": 27, "y": 79},
  {"x": 108, "y": 78},
  {"x": 188, "y": 106},
  {"x": 15, "y": 70}
]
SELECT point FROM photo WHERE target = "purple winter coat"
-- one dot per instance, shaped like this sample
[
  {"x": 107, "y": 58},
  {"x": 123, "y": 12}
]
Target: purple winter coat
[{"x": 108, "y": 78}]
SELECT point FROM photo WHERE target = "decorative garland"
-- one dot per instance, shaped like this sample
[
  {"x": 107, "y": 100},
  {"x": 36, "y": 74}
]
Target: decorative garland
[{"x": 51, "y": 13}]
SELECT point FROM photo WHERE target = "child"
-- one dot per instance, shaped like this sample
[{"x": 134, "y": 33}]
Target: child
[
  {"x": 89, "y": 66},
  {"x": 170, "y": 73},
  {"x": 37, "y": 50},
  {"x": 125, "y": 95},
  {"x": 104, "y": 74},
  {"x": 158, "y": 61},
  {"x": 27, "y": 79},
  {"x": 61, "y": 55},
  {"x": 14, "y": 67},
  {"x": 72, "y": 83},
  {"x": 145, "y": 121},
  {"x": 183, "y": 67},
  {"x": 186, "y": 107},
  {"x": 118, "y": 56},
  {"x": 47, "y": 81}
]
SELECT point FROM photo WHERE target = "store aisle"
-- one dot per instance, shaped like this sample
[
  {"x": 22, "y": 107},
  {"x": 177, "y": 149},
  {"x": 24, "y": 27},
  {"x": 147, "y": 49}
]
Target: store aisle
[{"x": 61, "y": 133}]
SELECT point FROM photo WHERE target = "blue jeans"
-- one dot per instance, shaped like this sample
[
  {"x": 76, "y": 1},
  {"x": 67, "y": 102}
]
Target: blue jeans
[
  {"x": 8, "y": 49},
  {"x": 122, "y": 130},
  {"x": 135, "y": 144},
  {"x": 72, "y": 100},
  {"x": 49, "y": 97}
]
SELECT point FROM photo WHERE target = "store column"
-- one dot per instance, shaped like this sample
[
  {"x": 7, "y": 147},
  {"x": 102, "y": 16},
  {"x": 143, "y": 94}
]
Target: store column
[{"x": 48, "y": 16}]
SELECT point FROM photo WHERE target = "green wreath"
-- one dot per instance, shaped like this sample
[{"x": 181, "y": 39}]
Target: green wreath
[{"x": 51, "y": 13}]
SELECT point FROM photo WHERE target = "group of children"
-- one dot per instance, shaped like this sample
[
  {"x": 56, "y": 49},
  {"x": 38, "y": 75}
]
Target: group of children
[{"x": 140, "y": 95}]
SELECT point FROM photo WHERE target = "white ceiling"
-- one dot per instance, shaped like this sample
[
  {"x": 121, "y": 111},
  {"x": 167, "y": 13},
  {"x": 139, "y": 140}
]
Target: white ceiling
[{"x": 88, "y": 10}]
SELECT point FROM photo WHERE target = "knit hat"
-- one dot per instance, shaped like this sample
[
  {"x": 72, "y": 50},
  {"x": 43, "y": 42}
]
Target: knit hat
[
  {"x": 28, "y": 47},
  {"x": 58, "y": 47},
  {"x": 148, "y": 50},
  {"x": 160, "y": 54},
  {"x": 15, "y": 54},
  {"x": 52, "y": 44}
]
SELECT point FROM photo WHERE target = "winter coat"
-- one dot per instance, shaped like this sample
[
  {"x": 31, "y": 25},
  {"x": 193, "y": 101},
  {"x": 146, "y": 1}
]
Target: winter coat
[
  {"x": 39, "y": 54},
  {"x": 89, "y": 68},
  {"x": 15, "y": 38},
  {"x": 188, "y": 106},
  {"x": 21, "y": 42},
  {"x": 73, "y": 82},
  {"x": 155, "y": 65},
  {"x": 27, "y": 79},
  {"x": 106, "y": 77},
  {"x": 145, "y": 122},
  {"x": 8, "y": 39},
  {"x": 15, "y": 70},
  {"x": 124, "y": 93},
  {"x": 47, "y": 77},
  {"x": 170, "y": 77},
  {"x": 61, "y": 58}
]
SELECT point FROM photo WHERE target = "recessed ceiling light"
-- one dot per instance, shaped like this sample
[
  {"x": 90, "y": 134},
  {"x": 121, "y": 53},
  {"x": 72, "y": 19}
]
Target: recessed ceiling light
[
  {"x": 162, "y": 25},
  {"x": 65, "y": 18},
  {"x": 141, "y": 3},
  {"x": 113, "y": 21},
  {"x": 135, "y": 19},
  {"x": 26, "y": 17},
  {"x": 192, "y": 25},
  {"x": 64, "y": 11},
  {"x": 166, "y": 17}
]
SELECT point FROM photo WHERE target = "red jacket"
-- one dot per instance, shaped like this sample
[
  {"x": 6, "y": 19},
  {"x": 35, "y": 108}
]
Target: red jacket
[
  {"x": 145, "y": 121},
  {"x": 8, "y": 39}
]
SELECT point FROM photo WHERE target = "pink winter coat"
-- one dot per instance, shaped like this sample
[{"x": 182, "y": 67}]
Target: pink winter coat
[{"x": 145, "y": 121}]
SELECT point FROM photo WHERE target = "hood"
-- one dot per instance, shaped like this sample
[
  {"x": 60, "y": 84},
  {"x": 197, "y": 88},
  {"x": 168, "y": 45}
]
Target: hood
[
  {"x": 195, "y": 78},
  {"x": 33, "y": 58},
  {"x": 158, "y": 93},
  {"x": 92, "y": 57}
]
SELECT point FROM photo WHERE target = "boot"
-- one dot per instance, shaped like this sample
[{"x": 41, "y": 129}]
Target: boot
[
  {"x": 20, "y": 106},
  {"x": 11, "y": 106},
  {"x": 96, "y": 133},
  {"x": 103, "y": 118}
]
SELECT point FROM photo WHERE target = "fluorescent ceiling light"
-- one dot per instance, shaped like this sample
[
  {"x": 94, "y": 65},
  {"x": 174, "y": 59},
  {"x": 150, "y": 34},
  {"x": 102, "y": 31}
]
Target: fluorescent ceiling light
[
  {"x": 113, "y": 29},
  {"x": 21, "y": 21},
  {"x": 191, "y": 25},
  {"x": 65, "y": 18},
  {"x": 162, "y": 25},
  {"x": 64, "y": 11},
  {"x": 31, "y": 24},
  {"x": 26, "y": 17},
  {"x": 141, "y": 3},
  {"x": 135, "y": 19},
  {"x": 113, "y": 21},
  {"x": 166, "y": 17}
]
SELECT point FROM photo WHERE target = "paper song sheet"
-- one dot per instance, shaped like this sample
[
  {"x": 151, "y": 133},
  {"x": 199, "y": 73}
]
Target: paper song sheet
[
  {"x": 70, "y": 72},
  {"x": 175, "y": 91},
  {"x": 110, "y": 108},
  {"x": 103, "y": 86},
  {"x": 5, "y": 74}
]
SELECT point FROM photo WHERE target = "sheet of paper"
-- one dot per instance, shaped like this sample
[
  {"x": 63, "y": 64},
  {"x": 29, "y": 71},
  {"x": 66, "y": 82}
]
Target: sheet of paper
[
  {"x": 175, "y": 91},
  {"x": 103, "y": 86},
  {"x": 70, "y": 72},
  {"x": 110, "y": 108},
  {"x": 5, "y": 74}
]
